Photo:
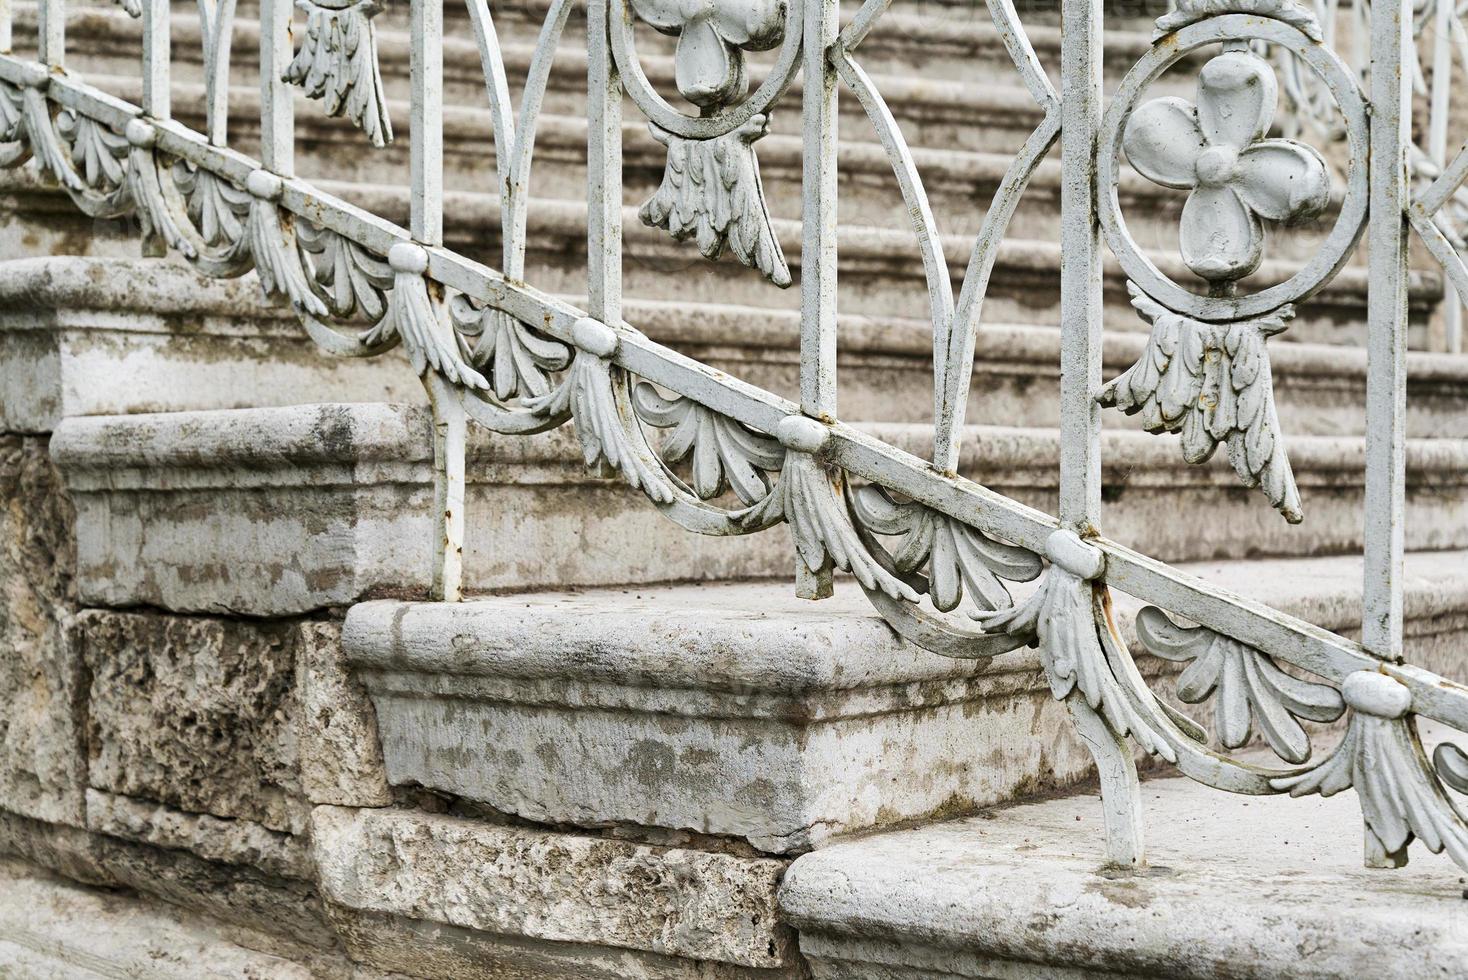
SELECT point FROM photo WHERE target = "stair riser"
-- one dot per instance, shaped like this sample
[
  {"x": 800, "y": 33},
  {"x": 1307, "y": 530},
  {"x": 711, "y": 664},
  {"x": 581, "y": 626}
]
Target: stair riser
[
  {"x": 878, "y": 277},
  {"x": 215, "y": 533}
]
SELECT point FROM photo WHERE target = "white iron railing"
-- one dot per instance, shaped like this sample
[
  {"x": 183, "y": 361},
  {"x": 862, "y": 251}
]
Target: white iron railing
[{"x": 931, "y": 549}]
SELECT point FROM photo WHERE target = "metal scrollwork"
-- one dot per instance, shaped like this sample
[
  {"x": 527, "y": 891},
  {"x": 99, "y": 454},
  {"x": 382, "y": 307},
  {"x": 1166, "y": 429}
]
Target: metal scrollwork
[
  {"x": 711, "y": 190},
  {"x": 337, "y": 63}
]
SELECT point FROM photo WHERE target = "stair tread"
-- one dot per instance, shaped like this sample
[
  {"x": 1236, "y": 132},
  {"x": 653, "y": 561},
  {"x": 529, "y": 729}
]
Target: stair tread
[
  {"x": 1273, "y": 882},
  {"x": 763, "y": 633}
]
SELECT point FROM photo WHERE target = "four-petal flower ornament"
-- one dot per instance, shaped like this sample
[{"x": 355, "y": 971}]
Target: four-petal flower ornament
[
  {"x": 712, "y": 36},
  {"x": 1218, "y": 150}
]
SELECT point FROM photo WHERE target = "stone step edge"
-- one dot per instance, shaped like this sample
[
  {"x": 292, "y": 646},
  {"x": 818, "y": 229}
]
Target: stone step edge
[
  {"x": 1269, "y": 888},
  {"x": 746, "y": 637},
  {"x": 107, "y": 452},
  {"x": 110, "y": 285}
]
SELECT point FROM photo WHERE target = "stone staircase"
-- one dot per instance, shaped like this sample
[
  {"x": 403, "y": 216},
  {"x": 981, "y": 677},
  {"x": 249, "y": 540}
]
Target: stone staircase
[{"x": 229, "y": 715}]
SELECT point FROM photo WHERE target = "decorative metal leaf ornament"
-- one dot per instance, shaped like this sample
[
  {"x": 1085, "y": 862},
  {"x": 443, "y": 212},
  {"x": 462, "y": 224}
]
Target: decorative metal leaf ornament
[
  {"x": 351, "y": 278},
  {"x": 1248, "y": 686},
  {"x": 589, "y": 394},
  {"x": 959, "y": 559},
  {"x": 419, "y": 322},
  {"x": 12, "y": 113},
  {"x": 337, "y": 63},
  {"x": 98, "y": 153},
  {"x": 1191, "y": 11},
  {"x": 711, "y": 192},
  {"x": 1212, "y": 383},
  {"x": 133, "y": 8},
  {"x": 1401, "y": 797},
  {"x": 1067, "y": 621},
  {"x": 217, "y": 208},
  {"x": 520, "y": 359},
  {"x": 723, "y": 453}
]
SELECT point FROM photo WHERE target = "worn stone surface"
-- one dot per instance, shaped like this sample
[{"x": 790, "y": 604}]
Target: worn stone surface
[
  {"x": 233, "y": 841},
  {"x": 241, "y": 895},
  {"x": 340, "y": 754},
  {"x": 277, "y": 512},
  {"x": 556, "y": 887},
  {"x": 1239, "y": 887},
  {"x": 196, "y": 713},
  {"x": 435, "y": 951},
  {"x": 52, "y": 928},
  {"x": 42, "y": 681},
  {"x": 89, "y": 336}
]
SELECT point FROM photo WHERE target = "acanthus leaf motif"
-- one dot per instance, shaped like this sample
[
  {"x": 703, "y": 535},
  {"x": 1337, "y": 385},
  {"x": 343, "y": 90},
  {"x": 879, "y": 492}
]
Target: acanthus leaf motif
[
  {"x": 217, "y": 208},
  {"x": 587, "y": 392},
  {"x": 1249, "y": 688},
  {"x": 338, "y": 64},
  {"x": 722, "y": 453},
  {"x": 419, "y": 321},
  {"x": 960, "y": 560},
  {"x": 1211, "y": 383},
  {"x": 352, "y": 280},
  {"x": 711, "y": 192},
  {"x": 98, "y": 153},
  {"x": 520, "y": 359},
  {"x": 1380, "y": 756},
  {"x": 809, "y": 497}
]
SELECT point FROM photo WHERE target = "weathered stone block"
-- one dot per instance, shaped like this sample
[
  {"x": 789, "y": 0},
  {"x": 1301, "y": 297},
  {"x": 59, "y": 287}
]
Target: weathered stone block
[
  {"x": 551, "y": 887},
  {"x": 196, "y": 713},
  {"x": 239, "y": 719},
  {"x": 42, "y": 684},
  {"x": 88, "y": 336},
  {"x": 731, "y": 710}
]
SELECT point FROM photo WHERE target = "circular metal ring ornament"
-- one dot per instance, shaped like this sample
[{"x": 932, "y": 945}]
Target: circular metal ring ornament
[
  {"x": 664, "y": 114},
  {"x": 1350, "y": 223}
]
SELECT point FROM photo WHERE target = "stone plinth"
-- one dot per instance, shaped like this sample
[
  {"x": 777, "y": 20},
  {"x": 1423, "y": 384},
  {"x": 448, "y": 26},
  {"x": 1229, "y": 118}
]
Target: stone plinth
[{"x": 87, "y": 336}]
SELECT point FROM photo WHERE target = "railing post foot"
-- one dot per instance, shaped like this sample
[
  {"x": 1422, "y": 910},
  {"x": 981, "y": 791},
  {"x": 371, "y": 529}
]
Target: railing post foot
[
  {"x": 450, "y": 429},
  {"x": 1121, "y": 794}
]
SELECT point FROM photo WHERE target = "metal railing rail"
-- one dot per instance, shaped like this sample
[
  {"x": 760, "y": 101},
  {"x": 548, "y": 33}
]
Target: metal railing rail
[{"x": 931, "y": 549}]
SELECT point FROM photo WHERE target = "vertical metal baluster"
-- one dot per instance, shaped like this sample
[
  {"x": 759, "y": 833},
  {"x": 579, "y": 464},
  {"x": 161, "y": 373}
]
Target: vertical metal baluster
[
  {"x": 157, "y": 98},
  {"x": 1080, "y": 380},
  {"x": 5, "y": 27},
  {"x": 277, "y": 110},
  {"x": 426, "y": 149},
  {"x": 450, "y": 424},
  {"x": 818, "y": 108},
  {"x": 216, "y": 18},
  {"x": 1386, "y": 345},
  {"x": 51, "y": 33},
  {"x": 603, "y": 169},
  {"x": 1437, "y": 149}
]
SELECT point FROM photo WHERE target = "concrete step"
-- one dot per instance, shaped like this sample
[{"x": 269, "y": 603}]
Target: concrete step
[
  {"x": 881, "y": 272},
  {"x": 191, "y": 343},
  {"x": 283, "y": 510},
  {"x": 1246, "y": 887},
  {"x": 740, "y": 710}
]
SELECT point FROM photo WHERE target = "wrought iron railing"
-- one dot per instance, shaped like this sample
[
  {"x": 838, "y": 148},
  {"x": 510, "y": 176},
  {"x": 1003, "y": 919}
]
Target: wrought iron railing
[{"x": 933, "y": 551}]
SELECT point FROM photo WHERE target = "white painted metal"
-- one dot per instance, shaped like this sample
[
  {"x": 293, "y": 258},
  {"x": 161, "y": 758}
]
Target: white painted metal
[
  {"x": 931, "y": 549},
  {"x": 51, "y": 32},
  {"x": 1386, "y": 346}
]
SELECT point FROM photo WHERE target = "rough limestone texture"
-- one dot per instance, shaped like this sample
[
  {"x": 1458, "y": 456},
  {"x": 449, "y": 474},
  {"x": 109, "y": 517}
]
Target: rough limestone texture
[
  {"x": 88, "y": 336},
  {"x": 550, "y": 887},
  {"x": 236, "y": 719},
  {"x": 42, "y": 682},
  {"x": 1238, "y": 887}
]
